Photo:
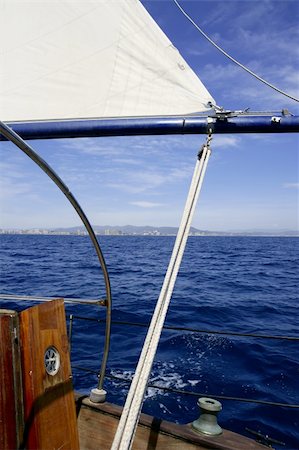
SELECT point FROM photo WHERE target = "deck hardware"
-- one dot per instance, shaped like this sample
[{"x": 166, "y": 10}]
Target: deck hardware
[
  {"x": 98, "y": 395},
  {"x": 220, "y": 113},
  {"x": 52, "y": 360},
  {"x": 207, "y": 421},
  {"x": 275, "y": 119}
]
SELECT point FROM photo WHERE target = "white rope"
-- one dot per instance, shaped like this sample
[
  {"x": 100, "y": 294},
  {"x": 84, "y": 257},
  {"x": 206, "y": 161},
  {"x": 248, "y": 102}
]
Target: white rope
[
  {"x": 125, "y": 433},
  {"x": 233, "y": 59}
]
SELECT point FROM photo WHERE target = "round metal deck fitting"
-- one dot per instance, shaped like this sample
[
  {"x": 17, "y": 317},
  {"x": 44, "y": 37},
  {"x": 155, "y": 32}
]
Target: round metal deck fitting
[
  {"x": 207, "y": 421},
  {"x": 97, "y": 395},
  {"x": 52, "y": 360}
]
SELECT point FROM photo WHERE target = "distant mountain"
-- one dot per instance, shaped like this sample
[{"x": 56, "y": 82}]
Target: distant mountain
[
  {"x": 128, "y": 229},
  {"x": 147, "y": 229}
]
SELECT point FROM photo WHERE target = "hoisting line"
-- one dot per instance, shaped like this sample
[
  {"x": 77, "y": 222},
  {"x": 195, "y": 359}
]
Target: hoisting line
[{"x": 125, "y": 433}]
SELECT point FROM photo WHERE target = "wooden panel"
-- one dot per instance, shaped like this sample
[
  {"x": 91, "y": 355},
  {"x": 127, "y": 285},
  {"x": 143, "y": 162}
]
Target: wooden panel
[{"x": 50, "y": 415}]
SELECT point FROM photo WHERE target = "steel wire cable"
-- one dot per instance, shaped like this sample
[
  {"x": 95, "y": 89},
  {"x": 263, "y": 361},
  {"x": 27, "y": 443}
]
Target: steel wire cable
[
  {"x": 231, "y": 58},
  {"x": 192, "y": 393},
  {"x": 194, "y": 330}
]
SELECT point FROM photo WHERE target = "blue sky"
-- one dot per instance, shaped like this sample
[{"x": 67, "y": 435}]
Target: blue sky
[{"x": 251, "y": 181}]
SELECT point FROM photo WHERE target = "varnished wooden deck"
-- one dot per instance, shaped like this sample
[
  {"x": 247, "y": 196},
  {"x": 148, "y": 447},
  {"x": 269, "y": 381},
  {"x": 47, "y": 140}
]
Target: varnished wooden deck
[{"x": 97, "y": 424}]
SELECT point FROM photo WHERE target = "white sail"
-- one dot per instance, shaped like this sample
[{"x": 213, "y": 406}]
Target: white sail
[{"x": 68, "y": 59}]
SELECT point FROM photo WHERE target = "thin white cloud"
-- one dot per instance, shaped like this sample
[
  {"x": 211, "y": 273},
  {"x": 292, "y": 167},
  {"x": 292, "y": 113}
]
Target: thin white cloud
[
  {"x": 291, "y": 185},
  {"x": 128, "y": 161},
  {"x": 125, "y": 149},
  {"x": 13, "y": 170},
  {"x": 9, "y": 189},
  {"x": 90, "y": 146},
  {"x": 145, "y": 204},
  {"x": 240, "y": 85},
  {"x": 246, "y": 28},
  {"x": 225, "y": 141}
]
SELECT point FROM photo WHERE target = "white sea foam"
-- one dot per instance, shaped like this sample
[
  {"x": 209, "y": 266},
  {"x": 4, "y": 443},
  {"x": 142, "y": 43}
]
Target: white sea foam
[{"x": 163, "y": 376}]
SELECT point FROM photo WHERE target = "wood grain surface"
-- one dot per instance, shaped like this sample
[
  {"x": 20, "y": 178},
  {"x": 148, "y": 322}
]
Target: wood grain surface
[
  {"x": 98, "y": 422},
  {"x": 9, "y": 372},
  {"x": 49, "y": 405}
]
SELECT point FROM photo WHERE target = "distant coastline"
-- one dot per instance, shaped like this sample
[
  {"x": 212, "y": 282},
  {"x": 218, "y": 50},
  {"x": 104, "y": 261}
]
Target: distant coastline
[{"x": 132, "y": 230}]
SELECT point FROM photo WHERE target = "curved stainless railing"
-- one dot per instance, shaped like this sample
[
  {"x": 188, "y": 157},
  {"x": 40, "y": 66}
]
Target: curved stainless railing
[{"x": 13, "y": 137}]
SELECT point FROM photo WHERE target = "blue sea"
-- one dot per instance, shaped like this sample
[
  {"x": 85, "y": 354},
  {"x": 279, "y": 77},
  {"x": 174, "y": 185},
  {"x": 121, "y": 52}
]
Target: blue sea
[{"x": 229, "y": 284}]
